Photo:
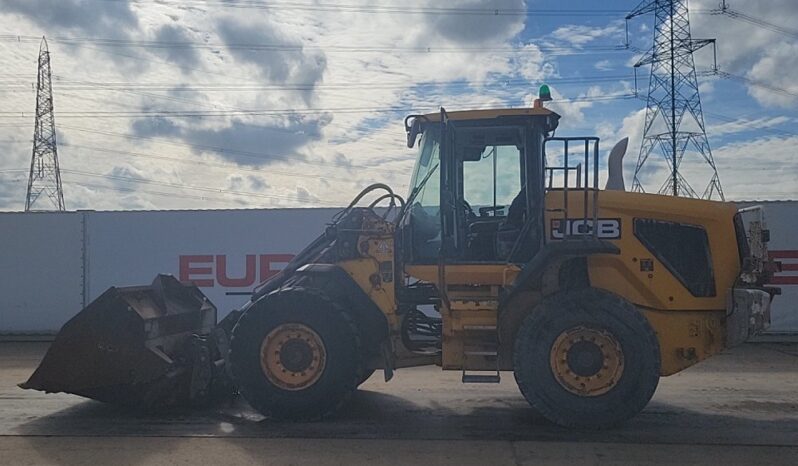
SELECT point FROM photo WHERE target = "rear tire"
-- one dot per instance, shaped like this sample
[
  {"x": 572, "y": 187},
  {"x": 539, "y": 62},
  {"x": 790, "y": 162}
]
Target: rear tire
[
  {"x": 295, "y": 355},
  {"x": 586, "y": 359}
]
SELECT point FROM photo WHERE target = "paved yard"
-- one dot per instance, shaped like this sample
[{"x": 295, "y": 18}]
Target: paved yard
[{"x": 737, "y": 408}]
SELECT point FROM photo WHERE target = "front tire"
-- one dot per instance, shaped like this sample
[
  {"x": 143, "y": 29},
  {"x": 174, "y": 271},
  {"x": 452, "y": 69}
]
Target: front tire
[
  {"x": 586, "y": 359},
  {"x": 295, "y": 355}
]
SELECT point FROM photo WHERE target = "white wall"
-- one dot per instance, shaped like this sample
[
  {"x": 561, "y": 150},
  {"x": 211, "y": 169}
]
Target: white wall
[
  {"x": 43, "y": 281},
  {"x": 42, "y": 258},
  {"x": 40, "y": 270},
  {"x": 128, "y": 248}
]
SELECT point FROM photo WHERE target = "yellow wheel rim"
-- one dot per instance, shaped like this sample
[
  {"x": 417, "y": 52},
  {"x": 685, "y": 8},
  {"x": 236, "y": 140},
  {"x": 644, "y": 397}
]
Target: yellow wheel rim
[
  {"x": 292, "y": 356},
  {"x": 587, "y": 361}
]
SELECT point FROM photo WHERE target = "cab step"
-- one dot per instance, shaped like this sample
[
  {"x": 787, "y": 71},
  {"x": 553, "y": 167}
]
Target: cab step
[
  {"x": 482, "y": 378},
  {"x": 492, "y": 377},
  {"x": 479, "y": 328}
]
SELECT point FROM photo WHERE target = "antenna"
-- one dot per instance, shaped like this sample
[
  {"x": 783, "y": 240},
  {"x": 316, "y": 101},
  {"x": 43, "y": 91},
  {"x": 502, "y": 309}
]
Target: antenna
[
  {"x": 674, "y": 120},
  {"x": 44, "y": 183}
]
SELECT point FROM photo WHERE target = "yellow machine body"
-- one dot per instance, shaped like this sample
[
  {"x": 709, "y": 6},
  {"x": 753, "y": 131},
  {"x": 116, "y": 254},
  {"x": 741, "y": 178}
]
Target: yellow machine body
[{"x": 689, "y": 328}]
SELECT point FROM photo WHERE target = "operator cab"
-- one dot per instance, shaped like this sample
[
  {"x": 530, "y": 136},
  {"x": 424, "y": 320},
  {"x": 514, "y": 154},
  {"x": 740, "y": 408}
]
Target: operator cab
[{"x": 469, "y": 200}]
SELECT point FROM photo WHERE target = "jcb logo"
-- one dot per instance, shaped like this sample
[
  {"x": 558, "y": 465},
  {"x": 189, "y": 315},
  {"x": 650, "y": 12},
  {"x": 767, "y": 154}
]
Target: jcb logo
[{"x": 605, "y": 228}]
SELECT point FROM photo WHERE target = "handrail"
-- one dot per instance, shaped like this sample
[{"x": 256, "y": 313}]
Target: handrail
[{"x": 591, "y": 145}]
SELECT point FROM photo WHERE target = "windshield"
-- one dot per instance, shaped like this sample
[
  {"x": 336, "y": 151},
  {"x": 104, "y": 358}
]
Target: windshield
[
  {"x": 425, "y": 212},
  {"x": 428, "y": 160}
]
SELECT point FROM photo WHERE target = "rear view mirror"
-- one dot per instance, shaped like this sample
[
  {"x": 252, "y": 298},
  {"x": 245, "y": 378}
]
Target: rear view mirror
[
  {"x": 472, "y": 153},
  {"x": 412, "y": 128}
]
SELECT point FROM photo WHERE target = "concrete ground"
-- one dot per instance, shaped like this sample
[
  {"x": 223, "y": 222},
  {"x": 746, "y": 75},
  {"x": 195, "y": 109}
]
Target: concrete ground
[{"x": 737, "y": 408}]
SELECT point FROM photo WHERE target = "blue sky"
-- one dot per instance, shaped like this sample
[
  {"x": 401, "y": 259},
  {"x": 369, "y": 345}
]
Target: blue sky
[{"x": 207, "y": 104}]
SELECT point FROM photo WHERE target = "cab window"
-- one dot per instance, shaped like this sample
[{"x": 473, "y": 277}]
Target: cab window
[
  {"x": 425, "y": 213},
  {"x": 490, "y": 167},
  {"x": 491, "y": 183}
]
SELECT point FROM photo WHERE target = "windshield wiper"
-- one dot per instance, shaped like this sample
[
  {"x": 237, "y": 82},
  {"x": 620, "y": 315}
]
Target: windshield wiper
[{"x": 414, "y": 194}]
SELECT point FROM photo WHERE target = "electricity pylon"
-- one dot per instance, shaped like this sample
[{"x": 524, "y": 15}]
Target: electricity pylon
[
  {"x": 44, "y": 182},
  {"x": 674, "y": 123}
]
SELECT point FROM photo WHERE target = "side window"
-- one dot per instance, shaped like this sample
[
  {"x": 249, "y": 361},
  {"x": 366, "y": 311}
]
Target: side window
[
  {"x": 494, "y": 180},
  {"x": 683, "y": 249}
]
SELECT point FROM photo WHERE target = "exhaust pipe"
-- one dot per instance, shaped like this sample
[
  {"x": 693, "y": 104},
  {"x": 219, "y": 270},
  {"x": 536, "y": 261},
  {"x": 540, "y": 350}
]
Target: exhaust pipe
[{"x": 615, "y": 166}]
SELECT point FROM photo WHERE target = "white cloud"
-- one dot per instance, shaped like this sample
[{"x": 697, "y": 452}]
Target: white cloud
[
  {"x": 763, "y": 168},
  {"x": 305, "y": 196},
  {"x": 770, "y": 158},
  {"x": 632, "y": 127},
  {"x": 752, "y": 51},
  {"x": 294, "y": 152},
  {"x": 776, "y": 69},
  {"x": 578, "y": 34},
  {"x": 572, "y": 107},
  {"x": 706, "y": 88},
  {"x": 744, "y": 124},
  {"x": 317, "y": 158},
  {"x": 603, "y": 65}
]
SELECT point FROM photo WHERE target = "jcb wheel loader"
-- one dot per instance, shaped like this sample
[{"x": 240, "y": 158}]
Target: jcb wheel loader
[{"x": 505, "y": 256}]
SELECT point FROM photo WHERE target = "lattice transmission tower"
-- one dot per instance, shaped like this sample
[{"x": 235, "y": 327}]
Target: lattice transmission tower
[
  {"x": 674, "y": 124},
  {"x": 44, "y": 182}
]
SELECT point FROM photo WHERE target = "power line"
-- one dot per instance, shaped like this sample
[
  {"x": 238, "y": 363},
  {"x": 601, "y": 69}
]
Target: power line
[
  {"x": 137, "y": 190},
  {"x": 285, "y": 112},
  {"x": 750, "y": 124},
  {"x": 261, "y": 157},
  {"x": 327, "y": 48},
  {"x": 757, "y": 83},
  {"x": 414, "y": 87},
  {"x": 384, "y": 8},
  {"x": 746, "y": 18},
  {"x": 218, "y": 113},
  {"x": 204, "y": 198},
  {"x": 187, "y": 186},
  {"x": 150, "y": 192},
  {"x": 204, "y": 165},
  {"x": 752, "y": 82},
  {"x": 205, "y": 104},
  {"x": 66, "y": 84}
]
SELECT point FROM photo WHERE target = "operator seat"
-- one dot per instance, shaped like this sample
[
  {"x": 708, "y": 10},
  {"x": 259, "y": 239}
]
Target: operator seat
[
  {"x": 510, "y": 230},
  {"x": 516, "y": 213}
]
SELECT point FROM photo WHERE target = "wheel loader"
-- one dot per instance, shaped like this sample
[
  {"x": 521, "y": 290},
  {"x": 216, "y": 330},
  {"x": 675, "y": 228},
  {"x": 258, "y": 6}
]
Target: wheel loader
[{"x": 506, "y": 256}]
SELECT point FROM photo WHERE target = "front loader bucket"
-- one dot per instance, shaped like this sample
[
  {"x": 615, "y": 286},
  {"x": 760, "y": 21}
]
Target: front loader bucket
[{"x": 142, "y": 346}]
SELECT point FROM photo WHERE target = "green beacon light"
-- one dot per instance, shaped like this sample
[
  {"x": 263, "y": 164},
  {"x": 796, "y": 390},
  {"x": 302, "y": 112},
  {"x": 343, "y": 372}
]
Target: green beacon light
[{"x": 544, "y": 94}]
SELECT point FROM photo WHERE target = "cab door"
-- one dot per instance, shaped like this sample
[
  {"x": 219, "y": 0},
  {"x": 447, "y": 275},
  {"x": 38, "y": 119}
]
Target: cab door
[{"x": 481, "y": 205}]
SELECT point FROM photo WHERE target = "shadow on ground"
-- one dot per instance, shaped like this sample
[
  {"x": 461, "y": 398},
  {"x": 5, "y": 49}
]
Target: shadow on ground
[{"x": 375, "y": 415}]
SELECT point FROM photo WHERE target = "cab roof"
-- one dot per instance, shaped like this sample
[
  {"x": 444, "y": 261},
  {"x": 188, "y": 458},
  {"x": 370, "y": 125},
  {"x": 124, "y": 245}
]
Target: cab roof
[
  {"x": 414, "y": 124},
  {"x": 490, "y": 113}
]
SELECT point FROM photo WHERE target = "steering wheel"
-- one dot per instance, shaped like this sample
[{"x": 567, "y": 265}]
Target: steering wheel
[{"x": 484, "y": 211}]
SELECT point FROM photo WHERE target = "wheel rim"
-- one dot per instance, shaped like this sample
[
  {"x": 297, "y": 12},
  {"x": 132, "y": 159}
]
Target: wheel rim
[
  {"x": 293, "y": 356},
  {"x": 587, "y": 361}
]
